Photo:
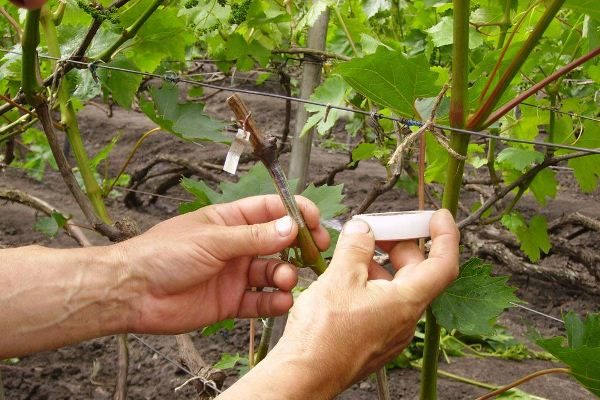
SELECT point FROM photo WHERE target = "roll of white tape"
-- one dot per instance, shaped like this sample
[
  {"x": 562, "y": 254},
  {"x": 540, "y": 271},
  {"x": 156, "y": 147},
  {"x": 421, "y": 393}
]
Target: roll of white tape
[{"x": 398, "y": 225}]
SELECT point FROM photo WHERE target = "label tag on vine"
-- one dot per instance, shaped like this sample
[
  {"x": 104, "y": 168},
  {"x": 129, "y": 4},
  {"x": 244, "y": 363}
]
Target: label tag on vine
[{"x": 235, "y": 151}]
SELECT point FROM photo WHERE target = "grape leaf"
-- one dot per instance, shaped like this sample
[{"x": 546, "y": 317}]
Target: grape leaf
[
  {"x": 518, "y": 158},
  {"x": 441, "y": 34},
  {"x": 533, "y": 236},
  {"x": 229, "y": 361},
  {"x": 474, "y": 301},
  {"x": 589, "y": 7},
  {"x": 327, "y": 198},
  {"x": 544, "y": 185},
  {"x": 437, "y": 160},
  {"x": 332, "y": 91},
  {"x": 246, "y": 54},
  {"x": 391, "y": 79},
  {"x": 587, "y": 168},
  {"x": 187, "y": 121},
  {"x": 226, "y": 324},
  {"x": 256, "y": 182},
  {"x": 50, "y": 226},
  {"x": 363, "y": 151},
  {"x": 122, "y": 85},
  {"x": 582, "y": 352},
  {"x": 163, "y": 36}
]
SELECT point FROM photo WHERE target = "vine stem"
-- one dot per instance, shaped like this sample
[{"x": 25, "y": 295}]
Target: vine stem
[
  {"x": 503, "y": 110},
  {"x": 69, "y": 121},
  {"x": 529, "y": 175},
  {"x": 30, "y": 86},
  {"x": 504, "y": 26},
  {"x": 480, "y": 118},
  {"x": 523, "y": 380},
  {"x": 459, "y": 144},
  {"x": 21, "y": 197}
]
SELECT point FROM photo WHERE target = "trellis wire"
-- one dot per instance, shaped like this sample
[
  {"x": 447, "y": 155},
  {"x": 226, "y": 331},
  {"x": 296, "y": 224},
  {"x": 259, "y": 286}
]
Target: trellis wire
[
  {"x": 531, "y": 310},
  {"x": 58, "y": 174},
  {"x": 174, "y": 78},
  {"x": 560, "y": 112}
]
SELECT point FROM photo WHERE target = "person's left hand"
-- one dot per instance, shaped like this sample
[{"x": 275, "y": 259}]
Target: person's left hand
[{"x": 198, "y": 268}]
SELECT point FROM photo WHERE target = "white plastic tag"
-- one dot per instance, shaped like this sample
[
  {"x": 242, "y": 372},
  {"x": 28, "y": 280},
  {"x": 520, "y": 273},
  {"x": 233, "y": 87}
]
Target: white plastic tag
[{"x": 235, "y": 151}]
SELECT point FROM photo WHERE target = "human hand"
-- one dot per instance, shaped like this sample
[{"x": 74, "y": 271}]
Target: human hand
[
  {"x": 356, "y": 316},
  {"x": 197, "y": 268}
]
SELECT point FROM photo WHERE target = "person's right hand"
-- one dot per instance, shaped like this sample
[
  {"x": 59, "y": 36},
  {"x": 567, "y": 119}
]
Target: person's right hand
[{"x": 356, "y": 317}]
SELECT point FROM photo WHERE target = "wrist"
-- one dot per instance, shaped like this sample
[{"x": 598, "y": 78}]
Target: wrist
[
  {"x": 288, "y": 373},
  {"x": 126, "y": 287}
]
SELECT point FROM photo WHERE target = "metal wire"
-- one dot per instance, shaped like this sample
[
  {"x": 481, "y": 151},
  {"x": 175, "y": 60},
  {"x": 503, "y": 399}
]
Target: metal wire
[
  {"x": 561, "y": 112},
  {"x": 536, "y": 312},
  {"x": 57, "y": 174},
  {"x": 204, "y": 381},
  {"x": 173, "y": 78}
]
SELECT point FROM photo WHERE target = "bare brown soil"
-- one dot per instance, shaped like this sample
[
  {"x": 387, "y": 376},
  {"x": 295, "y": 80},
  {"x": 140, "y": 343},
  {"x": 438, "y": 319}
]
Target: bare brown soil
[{"x": 87, "y": 370}]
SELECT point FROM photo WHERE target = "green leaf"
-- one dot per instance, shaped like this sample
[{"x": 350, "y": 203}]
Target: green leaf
[
  {"x": 441, "y": 34},
  {"x": 327, "y": 198},
  {"x": 332, "y": 91},
  {"x": 589, "y": 7},
  {"x": 203, "y": 194},
  {"x": 255, "y": 183},
  {"x": 533, "y": 236},
  {"x": 229, "y": 361},
  {"x": 474, "y": 301},
  {"x": 122, "y": 85},
  {"x": 582, "y": 350},
  {"x": 163, "y": 37},
  {"x": 50, "y": 226},
  {"x": 316, "y": 9},
  {"x": 103, "y": 153},
  {"x": 246, "y": 54},
  {"x": 187, "y": 121},
  {"x": 363, "y": 151},
  {"x": 544, "y": 185},
  {"x": 227, "y": 324},
  {"x": 391, "y": 79},
  {"x": 437, "y": 160},
  {"x": 519, "y": 159},
  {"x": 586, "y": 169}
]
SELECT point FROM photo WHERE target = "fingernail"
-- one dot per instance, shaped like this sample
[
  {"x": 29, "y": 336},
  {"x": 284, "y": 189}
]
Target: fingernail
[
  {"x": 284, "y": 225},
  {"x": 355, "y": 226}
]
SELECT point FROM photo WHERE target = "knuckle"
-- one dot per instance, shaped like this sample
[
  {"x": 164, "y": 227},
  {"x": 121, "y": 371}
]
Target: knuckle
[
  {"x": 357, "y": 248},
  {"x": 256, "y": 233}
]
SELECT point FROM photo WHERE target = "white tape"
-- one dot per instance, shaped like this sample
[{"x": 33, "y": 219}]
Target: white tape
[
  {"x": 398, "y": 225},
  {"x": 235, "y": 151}
]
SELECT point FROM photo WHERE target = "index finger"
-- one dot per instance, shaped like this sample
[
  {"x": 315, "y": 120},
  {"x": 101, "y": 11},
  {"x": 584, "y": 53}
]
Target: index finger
[{"x": 429, "y": 278}]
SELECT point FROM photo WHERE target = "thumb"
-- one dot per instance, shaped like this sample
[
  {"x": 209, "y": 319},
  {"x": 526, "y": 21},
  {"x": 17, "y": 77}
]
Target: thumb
[
  {"x": 353, "y": 252},
  {"x": 254, "y": 240}
]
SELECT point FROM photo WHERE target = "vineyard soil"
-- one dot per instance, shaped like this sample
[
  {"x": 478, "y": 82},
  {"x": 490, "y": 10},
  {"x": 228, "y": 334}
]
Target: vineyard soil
[{"x": 86, "y": 371}]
